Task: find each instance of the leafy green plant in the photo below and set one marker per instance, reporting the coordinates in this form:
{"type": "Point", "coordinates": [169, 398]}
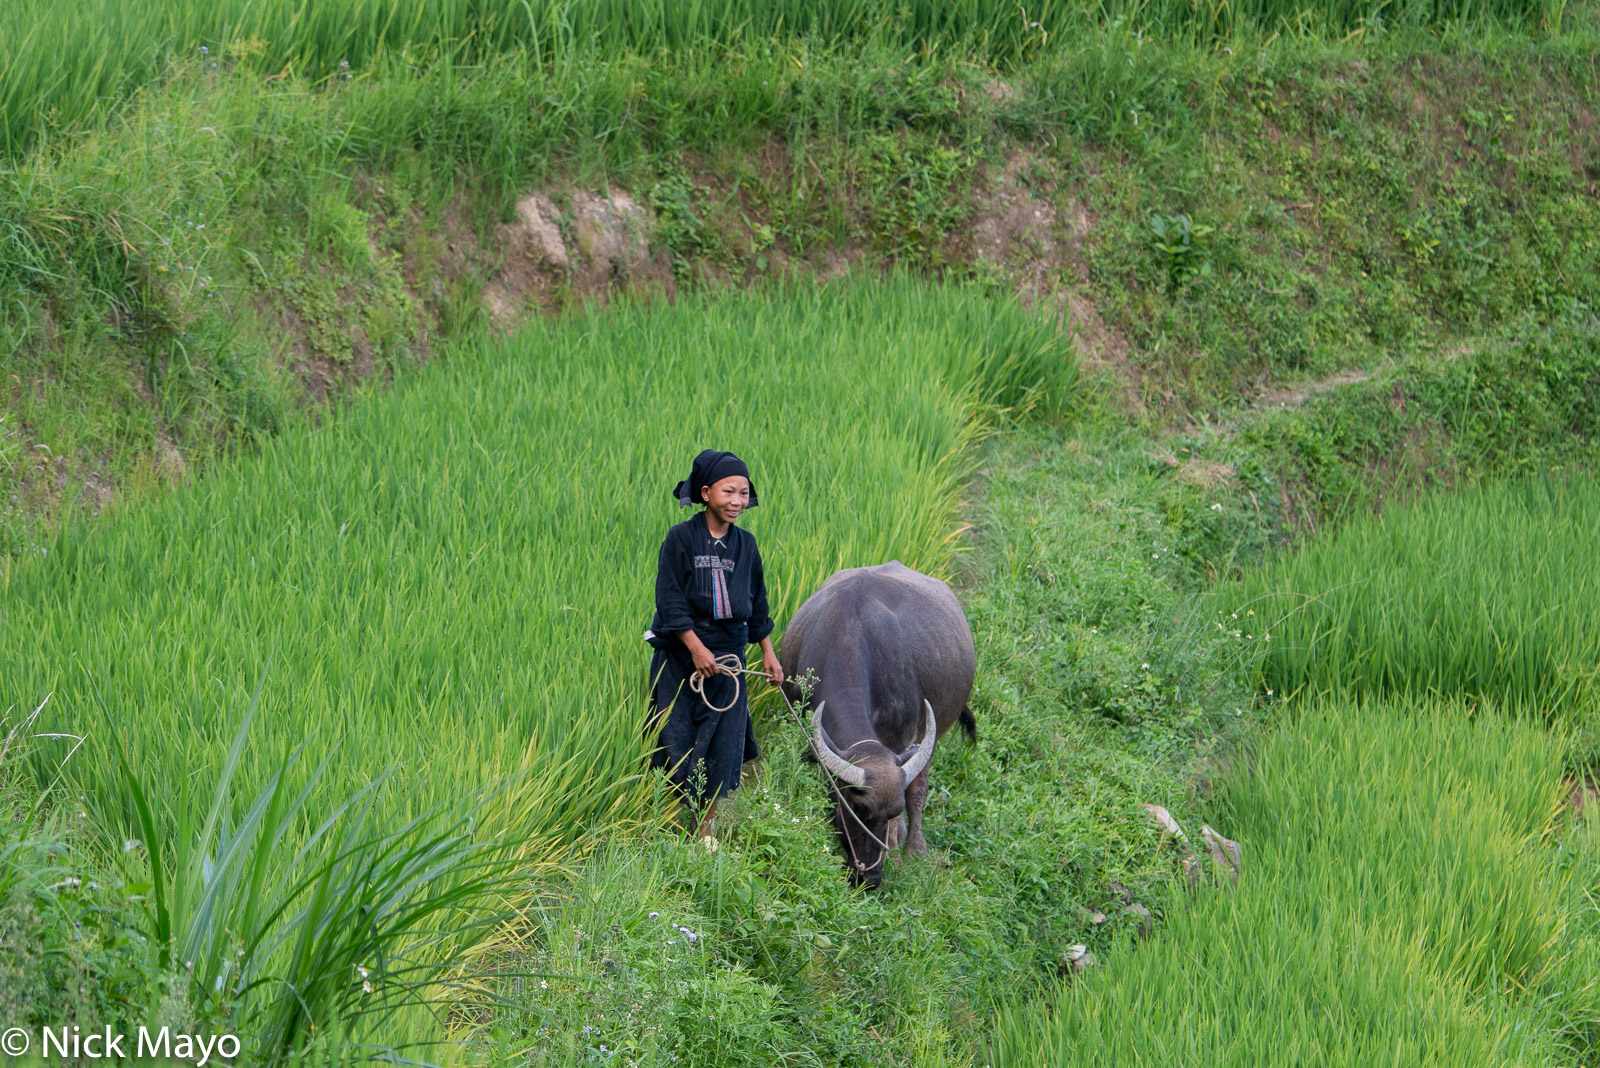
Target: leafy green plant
{"type": "Point", "coordinates": [1181, 247]}
{"type": "Point", "coordinates": [279, 934]}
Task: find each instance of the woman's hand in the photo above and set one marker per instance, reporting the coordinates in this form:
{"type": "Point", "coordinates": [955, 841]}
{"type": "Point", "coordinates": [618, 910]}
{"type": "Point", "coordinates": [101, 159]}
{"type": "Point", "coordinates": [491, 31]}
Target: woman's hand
{"type": "Point", "coordinates": [769, 663]}
{"type": "Point", "coordinates": [705, 662]}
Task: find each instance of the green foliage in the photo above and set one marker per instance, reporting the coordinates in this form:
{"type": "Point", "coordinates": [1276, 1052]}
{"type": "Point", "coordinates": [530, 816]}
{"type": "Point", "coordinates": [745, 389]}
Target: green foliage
{"type": "Point", "coordinates": [187, 271]}
{"type": "Point", "coordinates": [1398, 902]}
{"type": "Point", "coordinates": [456, 597]}
{"type": "Point", "coordinates": [278, 933]}
{"type": "Point", "coordinates": [1516, 403]}
{"type": "Point", "coordinates": [1181, 245]}
{"type": "Point", "coordinates": [1476, 593]}
{"type": "Point", "coordinates": [914, 193]}
{"type": "Point", "coordinates": [66, 66]}
{"type": "Point", "coordinates": [1033, 831]}
{"type": "Point", "coordinates": [1340, 236]}
{"type": "Point", "coordinates": [1509, 405]}
{"type": "Point", "coordinates": [70, 949]}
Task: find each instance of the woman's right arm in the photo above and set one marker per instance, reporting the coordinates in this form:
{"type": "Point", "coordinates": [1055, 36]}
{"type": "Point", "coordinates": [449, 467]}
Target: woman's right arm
{"type": "Point", "coordinates": [705, 664]}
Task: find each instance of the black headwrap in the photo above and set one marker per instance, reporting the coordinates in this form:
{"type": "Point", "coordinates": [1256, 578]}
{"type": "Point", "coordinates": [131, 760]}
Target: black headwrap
{"type": "Point", "coordinates": [711, 467]}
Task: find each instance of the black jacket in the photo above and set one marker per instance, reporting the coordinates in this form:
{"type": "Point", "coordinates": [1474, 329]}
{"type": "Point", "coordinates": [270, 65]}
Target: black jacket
{"type": "Point", "coordinates": [715, 588]}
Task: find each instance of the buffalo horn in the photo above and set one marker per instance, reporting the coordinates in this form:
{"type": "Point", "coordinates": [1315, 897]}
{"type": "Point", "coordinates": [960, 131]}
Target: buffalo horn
{"type": "Point", "coordinates": [912, 763]}
{"type": "Point", "coordinates": [845, 771]}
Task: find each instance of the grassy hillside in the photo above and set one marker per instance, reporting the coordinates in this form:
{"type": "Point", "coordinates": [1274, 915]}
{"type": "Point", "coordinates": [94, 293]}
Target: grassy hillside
{"type": "Point", "coordinates": [67, 66]}
{"type": "Point", "coordinates": [233, 243]}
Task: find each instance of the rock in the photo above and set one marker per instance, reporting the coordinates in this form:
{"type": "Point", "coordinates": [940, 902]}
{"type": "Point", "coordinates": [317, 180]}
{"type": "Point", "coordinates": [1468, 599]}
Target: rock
{"type": "Point", "coordinates": [1164, 820]}
{"type": "Point", "coordinates": [1143, 915]}
{"type": "Point", "coordinates": [1077, 958]}
{"type": "Point", "coordinates": [1225, 853]}
{"type": "Point", "coordinates": [611, 233]}
{"type": "Point", "coordinates": [539, 236]}
{"type": "Point", "coordinates": [1000, 92]}
{"type": "Point", "coordinates": [169, 461]}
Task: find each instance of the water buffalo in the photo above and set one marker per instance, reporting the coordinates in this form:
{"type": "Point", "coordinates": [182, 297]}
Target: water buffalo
{"type": "Point", "coordinates": [893, 658]}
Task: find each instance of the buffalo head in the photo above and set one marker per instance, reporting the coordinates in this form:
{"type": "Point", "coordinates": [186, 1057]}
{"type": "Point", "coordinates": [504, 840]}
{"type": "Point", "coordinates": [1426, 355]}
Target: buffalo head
{"type": "Point", "coordinates": [872, 780]}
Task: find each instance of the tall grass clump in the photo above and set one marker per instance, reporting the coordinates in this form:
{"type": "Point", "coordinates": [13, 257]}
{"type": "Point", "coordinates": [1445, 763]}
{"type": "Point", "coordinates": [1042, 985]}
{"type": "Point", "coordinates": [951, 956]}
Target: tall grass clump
{"type": "Point", "coordinates": [1399, 903]}
{"type": "Point", "coordinates": [64, 64]}
{"type": "Point", "coordinates": [1487, 592]}
{"type": "Point", "coordinates": [454, 576]}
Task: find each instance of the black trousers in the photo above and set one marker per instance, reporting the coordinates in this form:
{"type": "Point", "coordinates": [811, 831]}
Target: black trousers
{"type": "Point", "coordinates": [702, 748]}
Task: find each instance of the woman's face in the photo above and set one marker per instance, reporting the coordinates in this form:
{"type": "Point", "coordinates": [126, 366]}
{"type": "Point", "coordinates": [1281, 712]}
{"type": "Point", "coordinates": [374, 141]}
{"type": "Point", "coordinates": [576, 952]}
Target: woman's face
{"type": "Point", "coordinates": [727, 498]}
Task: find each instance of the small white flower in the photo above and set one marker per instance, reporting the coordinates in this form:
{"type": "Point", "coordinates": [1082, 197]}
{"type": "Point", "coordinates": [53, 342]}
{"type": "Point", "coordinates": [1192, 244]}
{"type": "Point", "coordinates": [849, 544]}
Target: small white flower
{"type": "Point", "coordinates": [1145, 667]}
{"type": "Point", "coordinates": [544, 984]}
{"type": "Point", "coordinates": [1216, 507]}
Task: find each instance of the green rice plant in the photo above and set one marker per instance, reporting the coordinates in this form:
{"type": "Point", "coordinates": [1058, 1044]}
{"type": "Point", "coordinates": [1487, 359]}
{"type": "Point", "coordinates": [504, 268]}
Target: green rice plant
{"type": "Point", "coordinates": [456, 573]}
{"type": "Point", "coordinates": [1486, 593]}
{"type": "Point", "coordinates": [1398, 903]}
{"type": "Point", "coordinates": [67, 64]}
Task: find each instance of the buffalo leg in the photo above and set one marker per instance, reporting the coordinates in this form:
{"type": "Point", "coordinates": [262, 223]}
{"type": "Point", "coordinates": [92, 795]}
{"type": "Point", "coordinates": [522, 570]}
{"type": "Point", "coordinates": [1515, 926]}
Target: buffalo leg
{"type": "Point", "coordinates": [916, 798]}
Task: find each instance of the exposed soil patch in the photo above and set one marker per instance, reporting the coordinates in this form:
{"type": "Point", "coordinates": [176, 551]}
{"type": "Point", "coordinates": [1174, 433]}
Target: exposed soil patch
{"type": "Point", "coordinates": [1036, 237]}
{"type": "Point", "coordinates": [582, 245]}
{"type": "Point", "coordinates": [1294, 396]}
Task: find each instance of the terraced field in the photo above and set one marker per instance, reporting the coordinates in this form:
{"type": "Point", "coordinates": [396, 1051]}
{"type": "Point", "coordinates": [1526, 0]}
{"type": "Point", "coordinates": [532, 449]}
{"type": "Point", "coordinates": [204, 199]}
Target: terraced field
{"type": "Point", "coordinates": [332, 475]}
{"type": "Point", "coordinates": [1417, 888]}
{"type": "Point", "coordinates": [449, 581]}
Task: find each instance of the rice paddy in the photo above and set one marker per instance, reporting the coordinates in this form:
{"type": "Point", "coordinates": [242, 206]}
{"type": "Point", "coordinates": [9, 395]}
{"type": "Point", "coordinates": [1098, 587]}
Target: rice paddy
{"type": "Point", "coordinates": [448, 583]}
{"type": "Point", "coordinates": [1415, 887]}
{"type": "Point", "coordinates": [361, 695]}
{"type": "Point", "coordinates": [1484, 594]}
{"type": "Point", "coordinates": [1412, 893]}
{"type": "Point", "coordinates": [64, 65]}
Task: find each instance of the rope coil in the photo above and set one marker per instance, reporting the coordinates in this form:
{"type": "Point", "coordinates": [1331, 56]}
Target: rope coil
{"type": "Point", "coordinates": [727, 664]}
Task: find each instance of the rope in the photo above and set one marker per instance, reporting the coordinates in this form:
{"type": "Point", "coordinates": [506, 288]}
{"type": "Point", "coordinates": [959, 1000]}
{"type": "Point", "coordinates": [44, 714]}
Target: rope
{"type": "Point", "coordinates": [727, 664]}
{"type": "Point", "coordinates": [733, 664]}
